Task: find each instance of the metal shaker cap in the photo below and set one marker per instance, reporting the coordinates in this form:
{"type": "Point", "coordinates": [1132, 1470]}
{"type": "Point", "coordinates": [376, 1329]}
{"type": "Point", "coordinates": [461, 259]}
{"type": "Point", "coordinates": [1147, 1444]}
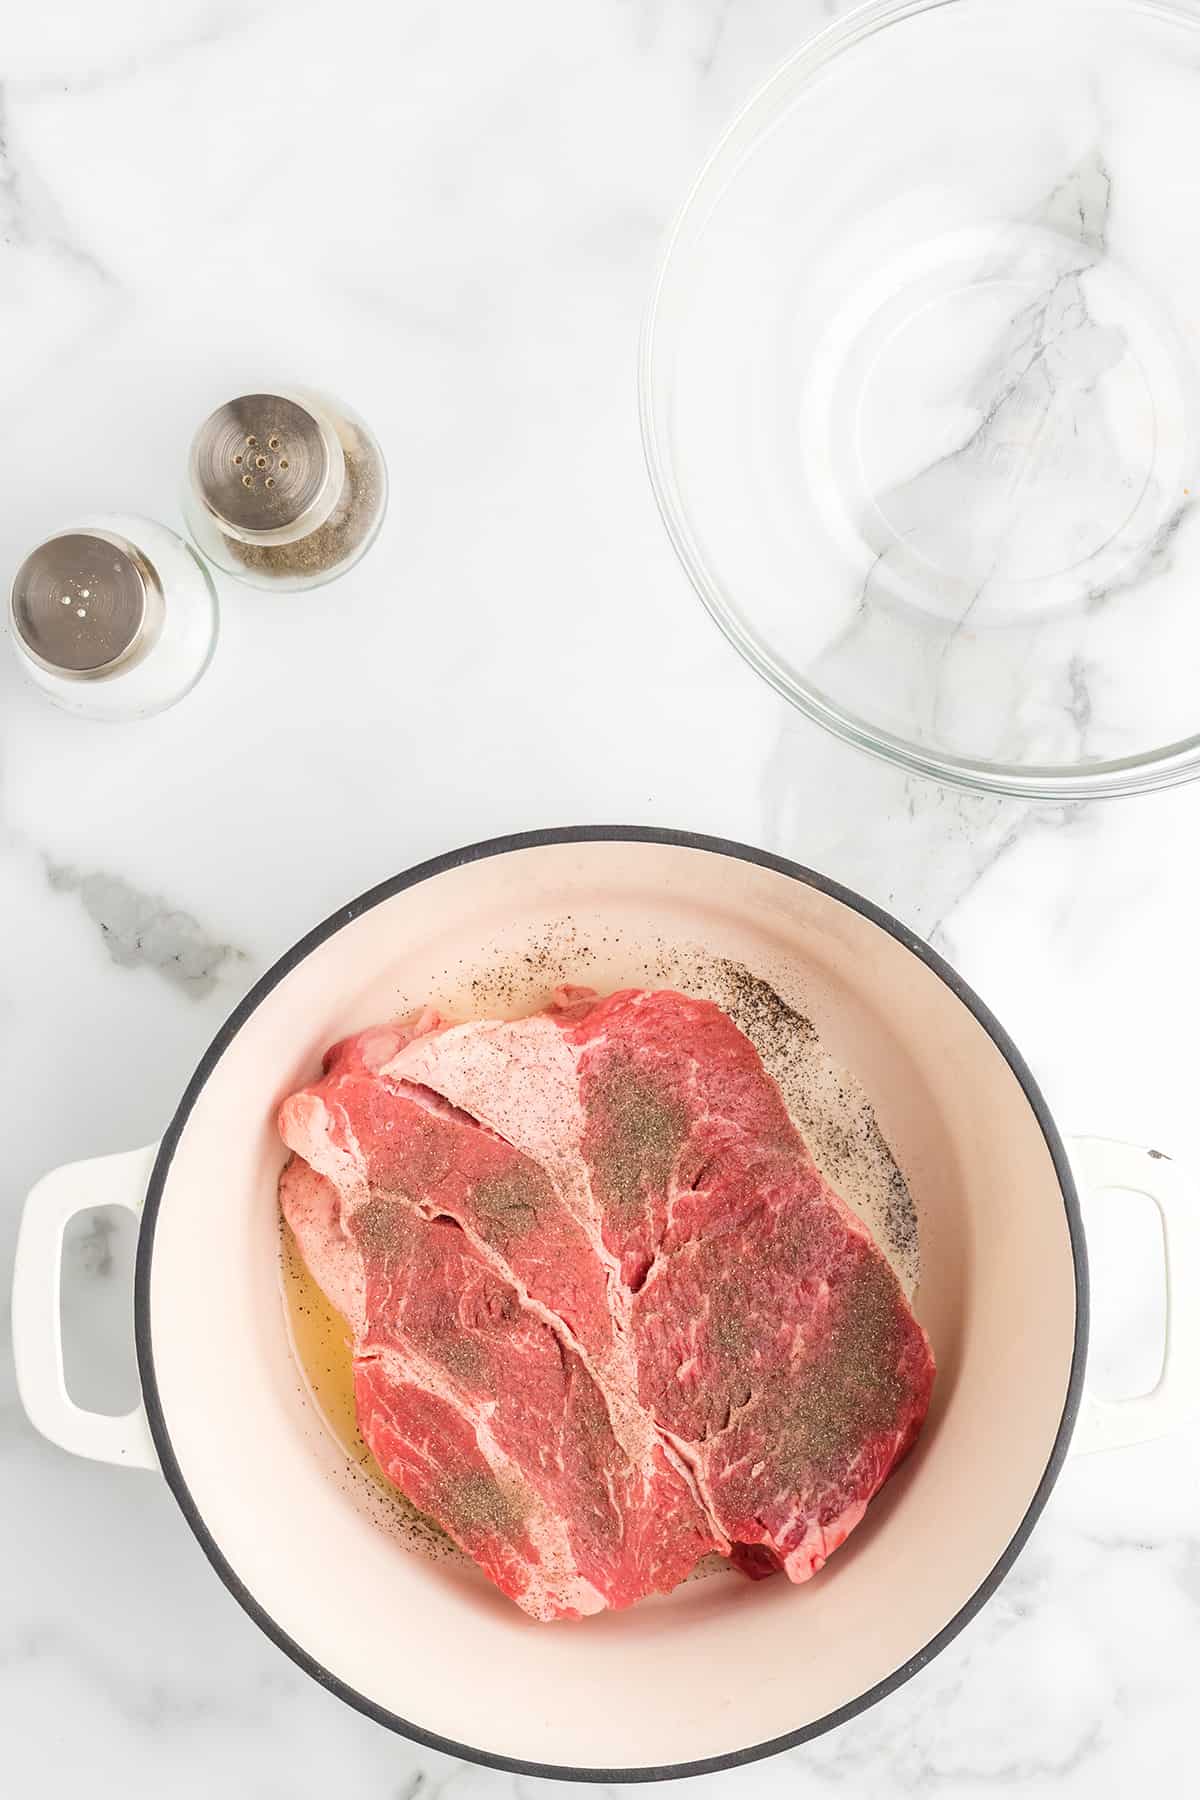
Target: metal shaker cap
{"type": "Point", "coordinates": [264, 464]}
{"type": "Point", "coordinates": [86, 603]}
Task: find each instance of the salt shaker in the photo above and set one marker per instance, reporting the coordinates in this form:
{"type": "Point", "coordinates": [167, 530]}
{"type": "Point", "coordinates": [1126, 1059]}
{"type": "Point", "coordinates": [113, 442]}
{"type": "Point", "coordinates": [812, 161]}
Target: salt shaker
{"type": "Point", "coordinates": [285, 490]}
{"type": "Point", "coordinates": [113, 618]}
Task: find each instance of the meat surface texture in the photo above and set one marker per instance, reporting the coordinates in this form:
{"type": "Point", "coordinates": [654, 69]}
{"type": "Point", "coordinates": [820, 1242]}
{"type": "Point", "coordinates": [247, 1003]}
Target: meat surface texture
{"type": "Point", "coordinates": [607, 1315]}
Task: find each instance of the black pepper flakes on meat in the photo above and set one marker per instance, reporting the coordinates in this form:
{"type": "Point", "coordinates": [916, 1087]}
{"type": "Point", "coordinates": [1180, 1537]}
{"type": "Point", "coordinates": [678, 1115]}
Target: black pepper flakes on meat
{"type": "Point", "coordinates": [507, 1204]}
{"type": "Point", "coordinates": [851, 1393]}
{"type": "Point", "coordinates": [477, 1501]}
{"type": "Point", "coordinates": [640, 1132]}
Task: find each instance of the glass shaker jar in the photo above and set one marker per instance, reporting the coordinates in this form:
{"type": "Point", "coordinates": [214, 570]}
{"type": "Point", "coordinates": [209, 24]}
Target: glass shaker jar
{"type": "Point", "coordinates": [285, 490]}
{"type": "Point", "coordinates": [114, 618]}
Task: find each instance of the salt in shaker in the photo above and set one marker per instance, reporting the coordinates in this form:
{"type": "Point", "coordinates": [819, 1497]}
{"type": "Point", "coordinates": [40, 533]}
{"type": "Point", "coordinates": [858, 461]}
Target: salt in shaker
{"type": "Point", "coordinates": [285, 490]}
{"type": "Point", "coordinates": [114, 618]}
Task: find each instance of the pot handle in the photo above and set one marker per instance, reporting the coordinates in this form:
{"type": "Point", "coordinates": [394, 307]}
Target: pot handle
{"type": "Point", "coordinates": [37, 1309]}
{"type": "Point", "coordinates": [1175, 1397]}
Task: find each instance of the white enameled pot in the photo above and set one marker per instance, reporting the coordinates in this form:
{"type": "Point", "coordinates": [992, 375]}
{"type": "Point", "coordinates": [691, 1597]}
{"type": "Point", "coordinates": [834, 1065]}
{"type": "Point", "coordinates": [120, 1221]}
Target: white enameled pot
{"type": "Point", "coordinates": [722, 1671]}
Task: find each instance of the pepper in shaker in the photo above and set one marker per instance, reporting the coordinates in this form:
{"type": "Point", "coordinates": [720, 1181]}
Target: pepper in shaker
{"type": "Point", "coordinates": [113, 618]}
{"type": "Point", "coordinates": [285, 490]}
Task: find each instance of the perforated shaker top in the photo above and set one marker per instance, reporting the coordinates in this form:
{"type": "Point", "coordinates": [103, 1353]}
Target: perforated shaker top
{"type": "Point", "coordinates": [260, 462]}
{"type": "Point", "coordinates": [83, 603]}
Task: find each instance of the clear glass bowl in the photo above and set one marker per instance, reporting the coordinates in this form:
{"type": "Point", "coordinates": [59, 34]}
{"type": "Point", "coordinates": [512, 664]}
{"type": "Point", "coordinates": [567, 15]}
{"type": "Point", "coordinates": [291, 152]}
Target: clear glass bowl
{"type": "Point", "coordinates": [920, 388]}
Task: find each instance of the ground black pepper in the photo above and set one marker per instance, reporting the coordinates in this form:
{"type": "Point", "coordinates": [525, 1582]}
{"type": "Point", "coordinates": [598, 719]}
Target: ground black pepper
{"type": "Point", "coordinates": [476, 1501]}
{"type": "Point", "coordinates": [644, 1131]}
{"type": "Point", "coordinates": [353, 520]}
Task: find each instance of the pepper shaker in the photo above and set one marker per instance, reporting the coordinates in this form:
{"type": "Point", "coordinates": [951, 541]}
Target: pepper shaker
{"type": "Point", "coordinates": [285, 490]}
{"type": "Point", "coordinates": [113, 618]}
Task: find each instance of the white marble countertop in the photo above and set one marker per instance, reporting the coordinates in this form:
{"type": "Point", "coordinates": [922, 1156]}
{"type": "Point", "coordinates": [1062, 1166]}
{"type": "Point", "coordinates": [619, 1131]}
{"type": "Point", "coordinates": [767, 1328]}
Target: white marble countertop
{"type": "Point", "coordinates": [450, 214]}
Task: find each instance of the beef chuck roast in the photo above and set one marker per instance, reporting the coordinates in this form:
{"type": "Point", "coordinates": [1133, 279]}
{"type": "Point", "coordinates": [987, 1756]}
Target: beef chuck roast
{"type": "Point", "coordinates": [680, 1338]}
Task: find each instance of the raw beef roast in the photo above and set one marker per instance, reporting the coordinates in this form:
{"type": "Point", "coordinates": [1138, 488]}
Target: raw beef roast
{"type": "Point", "coordinates": [607, 1314]}
{"type": "Point", "coordinates": [428, 1232]}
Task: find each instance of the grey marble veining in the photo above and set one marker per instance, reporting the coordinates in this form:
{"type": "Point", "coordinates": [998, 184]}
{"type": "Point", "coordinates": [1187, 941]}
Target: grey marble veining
{"type": "Point", "coordinates": [469, 264]}
{"type": "Point", "coordinates": [31, 215]}
{"type": "Point", "coordinates": [142, 930]}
